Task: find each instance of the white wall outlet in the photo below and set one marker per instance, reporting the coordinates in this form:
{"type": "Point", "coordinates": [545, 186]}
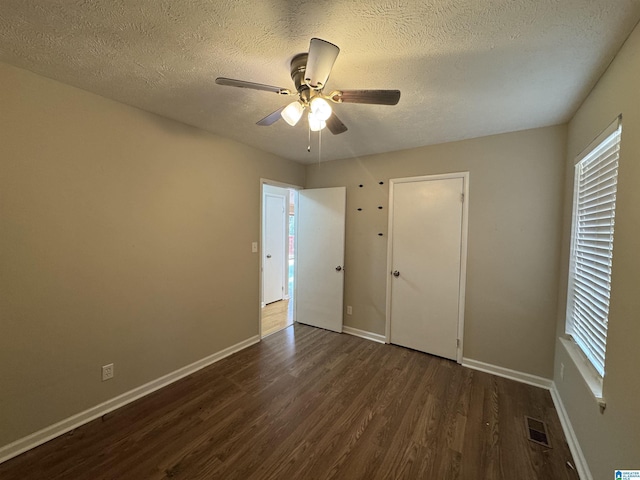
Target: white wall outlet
{"type": "Point", "coordinates": [254, 247]}
{"type": "Point", "coordinates": [562, 371]}
{"type": "Point", "coordinates": [107, 372]}
{"type": "Point", "coordinates": [349, 310]}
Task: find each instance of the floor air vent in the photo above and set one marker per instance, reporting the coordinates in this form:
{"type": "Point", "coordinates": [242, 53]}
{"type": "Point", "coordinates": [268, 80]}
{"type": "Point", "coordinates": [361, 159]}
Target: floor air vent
{"type": "Point", "coordinates": [537, 431]}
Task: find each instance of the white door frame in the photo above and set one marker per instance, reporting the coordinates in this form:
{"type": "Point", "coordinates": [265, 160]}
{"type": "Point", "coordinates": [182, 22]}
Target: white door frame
{"type": "Point", "coordinates": [273, 183]}
{"type": "Point", "coordinates": [463, 250]}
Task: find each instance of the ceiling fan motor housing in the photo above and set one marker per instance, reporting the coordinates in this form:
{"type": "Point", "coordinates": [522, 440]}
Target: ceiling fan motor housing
{"type": "Point", "coordinates": [298, 67]}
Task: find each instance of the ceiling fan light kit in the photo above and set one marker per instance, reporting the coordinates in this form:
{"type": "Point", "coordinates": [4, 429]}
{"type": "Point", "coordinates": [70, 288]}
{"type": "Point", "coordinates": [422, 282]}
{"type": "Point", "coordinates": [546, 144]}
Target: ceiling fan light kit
{"type": "Point", "coordinates": [320, 108]}
{"type": "Point", "coordinates": [292, 113]}
{"type": "Point", "coordinates": [315, 124]}
{"type": "Point", "coordinates": [310, 72]}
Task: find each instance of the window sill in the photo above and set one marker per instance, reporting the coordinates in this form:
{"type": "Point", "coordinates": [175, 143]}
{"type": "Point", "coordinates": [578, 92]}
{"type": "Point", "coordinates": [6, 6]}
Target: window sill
{"type": "Point", "coordinates": [591, 378]}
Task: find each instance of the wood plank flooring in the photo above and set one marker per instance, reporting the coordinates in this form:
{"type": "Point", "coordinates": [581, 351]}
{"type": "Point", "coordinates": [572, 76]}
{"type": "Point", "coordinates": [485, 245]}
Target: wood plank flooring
{"type": "Point", "coordinates": [276, 316]}
{"type": "Point", "coordinates": [305, 404]}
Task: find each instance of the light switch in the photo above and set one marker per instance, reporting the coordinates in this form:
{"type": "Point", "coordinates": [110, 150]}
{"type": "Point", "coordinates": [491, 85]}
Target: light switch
{"type": "Point", "coordinates": [254, 247]}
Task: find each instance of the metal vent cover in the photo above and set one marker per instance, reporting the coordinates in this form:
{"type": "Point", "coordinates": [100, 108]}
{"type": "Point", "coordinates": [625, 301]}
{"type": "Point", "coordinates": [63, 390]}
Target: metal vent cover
{"type": "Point", "coordinates": [537, 431]}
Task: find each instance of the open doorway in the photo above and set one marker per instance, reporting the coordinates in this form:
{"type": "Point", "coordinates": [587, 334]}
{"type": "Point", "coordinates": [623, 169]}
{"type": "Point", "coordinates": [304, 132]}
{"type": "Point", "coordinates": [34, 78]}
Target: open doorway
{"type": "Point", "coordinates": [278, 244]}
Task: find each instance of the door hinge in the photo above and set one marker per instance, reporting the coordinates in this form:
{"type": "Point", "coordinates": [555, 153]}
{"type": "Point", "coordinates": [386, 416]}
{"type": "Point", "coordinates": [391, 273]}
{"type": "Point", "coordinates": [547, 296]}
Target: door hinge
{"type": "Point", "coordinates": [457, 342]}
{"type": "Point", "coordinates": [462, 197]}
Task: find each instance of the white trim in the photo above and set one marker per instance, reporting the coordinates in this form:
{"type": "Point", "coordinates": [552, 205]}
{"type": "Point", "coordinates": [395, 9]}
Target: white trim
{"type": "Point", "coordinates": [275, 183]}
{"type": "Point", "coordinates": [463, 251]}
{"type": "Point", "coordinates": [592, 379]}
{"type": "Point", "coordinates": [374, 337]}
{"type": "Point", "coordinates": [463, 264]}
{"type": "Point", "coordinates": [613, 126]}
{"type": "Point", "coordinates": [387, 324]}
{"type": "Point", "coordinates": [48, 433]}
{"type": "Point", "coordinates": [521, 377]}
{"type": "Point", "coordinates": [578, 457]}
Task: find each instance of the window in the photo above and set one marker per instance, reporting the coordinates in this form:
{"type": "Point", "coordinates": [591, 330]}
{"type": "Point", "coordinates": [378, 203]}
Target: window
{"type": "Point", "coordinates": [594, 208]}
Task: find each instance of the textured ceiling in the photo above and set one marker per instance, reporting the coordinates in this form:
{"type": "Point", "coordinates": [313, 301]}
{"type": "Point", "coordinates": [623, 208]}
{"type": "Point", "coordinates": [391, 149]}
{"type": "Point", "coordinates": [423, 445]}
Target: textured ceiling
{"type": "Point", "coordinates": [466, 68]}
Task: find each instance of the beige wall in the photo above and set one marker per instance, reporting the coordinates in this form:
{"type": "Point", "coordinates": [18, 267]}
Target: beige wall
{"type": "Point", "coordinates": [516, 183]}
{"type": "Point", "coordinates": [125, 238]}
{"type": "Point", "coordinates": [610, 440]}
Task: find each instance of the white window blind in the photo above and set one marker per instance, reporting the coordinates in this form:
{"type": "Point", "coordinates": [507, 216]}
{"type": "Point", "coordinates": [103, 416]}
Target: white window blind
{"type": "Point", "coordinates": [594, 208]}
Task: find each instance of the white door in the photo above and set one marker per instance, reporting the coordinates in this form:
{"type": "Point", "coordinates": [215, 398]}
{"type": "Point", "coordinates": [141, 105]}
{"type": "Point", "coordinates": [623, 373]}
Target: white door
{"type": "Point", "coordinates": [273, 277]}
{"type": "Point", "coordinates": [320, 257]}
{"type": "Point", "coordinates": [426, 260]}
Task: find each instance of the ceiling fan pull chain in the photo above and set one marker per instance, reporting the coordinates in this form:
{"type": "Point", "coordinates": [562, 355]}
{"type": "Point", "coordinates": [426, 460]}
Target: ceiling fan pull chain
{"type": "Point", "coordinates": [319, 145]}
{"type": "Point", "coordinates": [309, 142]}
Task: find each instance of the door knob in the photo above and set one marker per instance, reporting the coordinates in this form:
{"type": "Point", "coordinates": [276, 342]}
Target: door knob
{"type": "Point", "coordinates": [268, 255]}
{"type": "Point", "coordinates": [396, 273]}
{"type": "Point", "coordinates": [338, 268]}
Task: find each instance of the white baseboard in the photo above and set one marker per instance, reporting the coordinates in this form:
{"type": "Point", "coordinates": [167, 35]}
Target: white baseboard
{"type": "Point", "coordinates": [508, 373]}
{"type": "Point", "coordinates": [581, 463]}
{"type": "Point", "coordinates": [38, 438]}
{"type": "Point", "coordinates": [375, 337]}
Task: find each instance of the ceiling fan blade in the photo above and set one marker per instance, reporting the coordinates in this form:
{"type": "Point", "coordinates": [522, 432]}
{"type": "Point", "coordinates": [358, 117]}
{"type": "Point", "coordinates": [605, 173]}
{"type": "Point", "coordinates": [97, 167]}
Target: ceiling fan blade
{"type": "Point", "coordinates": [254, 86]}
{"type": "Point", "coordinates": [322, 56]}
{"type": "Point", "coordinates": [335, 125]}
{"type": "Point", "coordinates": [373, 97]}
{"type": "Point", "coordinates": [271, 118]}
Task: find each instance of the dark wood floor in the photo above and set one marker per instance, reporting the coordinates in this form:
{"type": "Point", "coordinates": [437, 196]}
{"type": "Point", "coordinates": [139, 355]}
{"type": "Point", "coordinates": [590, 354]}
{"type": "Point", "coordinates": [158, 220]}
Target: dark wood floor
{"type": "Point", "coordinates": [310, 404]}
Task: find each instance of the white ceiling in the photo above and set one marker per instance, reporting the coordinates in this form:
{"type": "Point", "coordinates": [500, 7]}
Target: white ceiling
{"type": "Point", "coordinates": [466, 68]}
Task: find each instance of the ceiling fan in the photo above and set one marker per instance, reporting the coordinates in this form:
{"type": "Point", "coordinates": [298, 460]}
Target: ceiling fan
{"type": "Point", "coordinates": [309, 72]}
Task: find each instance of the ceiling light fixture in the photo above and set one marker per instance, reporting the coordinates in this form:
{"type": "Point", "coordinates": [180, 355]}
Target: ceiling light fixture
{"type": "Point", "coordinates": [320, 108]}
{"type": "Point", "coordinates": [292, 113]}
{"type": "Point", "coordinates": [315, 124]}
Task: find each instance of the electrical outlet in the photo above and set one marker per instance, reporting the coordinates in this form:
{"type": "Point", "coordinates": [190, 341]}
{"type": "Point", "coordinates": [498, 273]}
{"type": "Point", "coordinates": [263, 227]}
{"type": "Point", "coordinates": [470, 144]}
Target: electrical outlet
{"type": "Point", "coordinates": [349, 310]}
{"type": "Point", "coordinates": [107, 372]}
{"type": "Point", "coordinates": [562, 371]}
